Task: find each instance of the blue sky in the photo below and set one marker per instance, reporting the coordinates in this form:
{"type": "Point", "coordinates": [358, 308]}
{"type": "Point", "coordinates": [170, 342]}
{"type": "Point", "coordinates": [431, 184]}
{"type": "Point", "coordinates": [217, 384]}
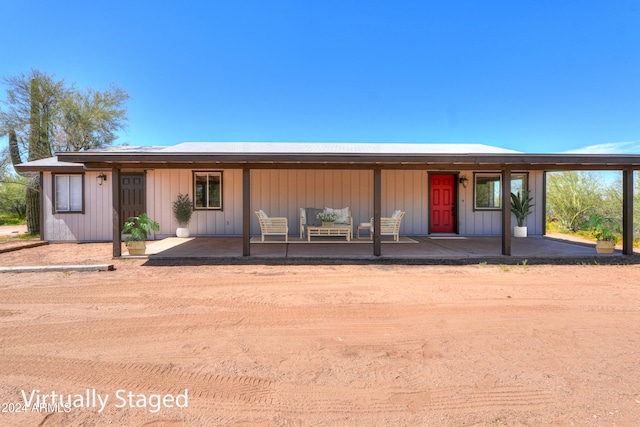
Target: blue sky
{"type": "Point", "coordinates": [535, 76]}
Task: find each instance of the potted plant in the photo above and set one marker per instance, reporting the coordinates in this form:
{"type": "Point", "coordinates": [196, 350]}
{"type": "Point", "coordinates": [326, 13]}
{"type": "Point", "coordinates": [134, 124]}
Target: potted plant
{"type": "Point", "coordinates": [182, 210]}
{"type": "Point", "coordinates": [138, 228]}
{"type": "Point", "coordinates": [521, 207]}
{"type": "Point", "coordinates": [606, 231]}
{"type": "Point", "coordinates": [327, 218]}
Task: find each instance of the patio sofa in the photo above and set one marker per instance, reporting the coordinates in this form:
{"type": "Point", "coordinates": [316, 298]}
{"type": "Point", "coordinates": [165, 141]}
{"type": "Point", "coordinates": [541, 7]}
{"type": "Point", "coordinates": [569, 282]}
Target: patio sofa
{"type": "Point", "coordinates": [308, 218]}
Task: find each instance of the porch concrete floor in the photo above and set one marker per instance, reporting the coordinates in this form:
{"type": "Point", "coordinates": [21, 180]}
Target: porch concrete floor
{"type": "Point", "coordinates": [432, 249]}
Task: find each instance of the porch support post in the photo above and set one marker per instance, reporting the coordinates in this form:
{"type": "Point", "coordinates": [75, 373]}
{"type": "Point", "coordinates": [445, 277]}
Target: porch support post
{"type": "Point", "coordinates": [246, 211]}
{"type": "Point", "coordinates": [506, 211]}
{"type": "Point", "coordinates": [377, 211]}
{"type": "Point", "coordinates": [41, 187]}
{"type": "Point", "coordinates": [544, 203]}
{"type": "Point", "coordinates": [115, 212]}
{"type": "Point", "coordinates": [627, 211]}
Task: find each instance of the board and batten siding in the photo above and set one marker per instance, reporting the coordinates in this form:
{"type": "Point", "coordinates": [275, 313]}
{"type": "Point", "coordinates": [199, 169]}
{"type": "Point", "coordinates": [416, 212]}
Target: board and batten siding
{"type": "Point", "coordinates": [95, 225]}
{"type": "Point", "coordinates": [283, 192]}
{"type": "Point", "coordinates": [163, 186]}
{"type": "Point", "coordinates": [489, 223]}
{"type": "Point", "coordinates": [279, 192]}
{"type": "Point", "coordinates": [407, 191]}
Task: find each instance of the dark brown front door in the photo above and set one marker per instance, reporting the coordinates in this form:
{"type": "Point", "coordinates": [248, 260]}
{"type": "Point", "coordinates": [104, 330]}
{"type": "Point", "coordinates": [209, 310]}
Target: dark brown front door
{"type": "Point", "coordinates": [442, 218]}
{"type": "Point", "coordinates": [132, 196]}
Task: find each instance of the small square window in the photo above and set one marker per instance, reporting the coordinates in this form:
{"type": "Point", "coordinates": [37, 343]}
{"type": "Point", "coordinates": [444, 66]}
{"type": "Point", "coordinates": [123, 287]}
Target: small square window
{"type": "Point", "coordinates": [488, 189]}
{"type": "Point", "coordinates": [68, 193]}
{"type": "Point", "coordinates": [207, 190]}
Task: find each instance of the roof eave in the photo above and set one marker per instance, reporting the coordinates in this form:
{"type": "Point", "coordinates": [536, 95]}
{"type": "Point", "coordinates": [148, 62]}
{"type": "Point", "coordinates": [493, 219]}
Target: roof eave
{"type": "Point", "coordinates": [506, 159]}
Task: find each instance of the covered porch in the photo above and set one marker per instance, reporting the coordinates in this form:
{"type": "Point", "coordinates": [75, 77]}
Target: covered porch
{"type": "Point", "coordinates": [414, 249]}
{"type": "Point", "coordinates": [376, 161]}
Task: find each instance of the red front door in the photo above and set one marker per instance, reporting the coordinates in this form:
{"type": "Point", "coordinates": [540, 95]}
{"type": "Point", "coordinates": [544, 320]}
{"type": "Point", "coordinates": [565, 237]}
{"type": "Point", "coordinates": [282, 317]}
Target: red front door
{"type": "Point", "coordinates": [442, 196]}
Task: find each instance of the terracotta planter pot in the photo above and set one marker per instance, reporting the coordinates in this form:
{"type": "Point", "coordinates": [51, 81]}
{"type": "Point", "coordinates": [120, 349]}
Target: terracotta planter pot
{"type": "Point", "coordinates": [137, 247]}
{"type": "Point", "coordinates": [605, 246]}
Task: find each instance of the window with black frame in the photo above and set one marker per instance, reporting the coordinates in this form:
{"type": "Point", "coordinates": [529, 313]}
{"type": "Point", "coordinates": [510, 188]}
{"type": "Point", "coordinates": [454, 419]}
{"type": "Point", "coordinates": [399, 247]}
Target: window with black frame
{"type": "Point", "coordinates": [207, 191]}
{"type": "Point", "coordinates": [488, 189]}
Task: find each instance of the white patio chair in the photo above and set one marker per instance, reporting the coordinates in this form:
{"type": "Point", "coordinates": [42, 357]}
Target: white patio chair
{"type": "Point", "coordinates": [390, 226]}
{"type": "Point", "coordinates": [273, 225]}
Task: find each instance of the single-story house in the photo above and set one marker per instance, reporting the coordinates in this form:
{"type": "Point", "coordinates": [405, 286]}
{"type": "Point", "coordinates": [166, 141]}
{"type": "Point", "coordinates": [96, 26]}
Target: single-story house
{"type": "Point", "coordinates": [460, 189]}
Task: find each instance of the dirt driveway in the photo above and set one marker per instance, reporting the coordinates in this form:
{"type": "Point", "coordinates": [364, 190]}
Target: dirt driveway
{"type": "Point", "coordinates": [256, 345]}
{"type": "Point", "coordinates": [8, 230]}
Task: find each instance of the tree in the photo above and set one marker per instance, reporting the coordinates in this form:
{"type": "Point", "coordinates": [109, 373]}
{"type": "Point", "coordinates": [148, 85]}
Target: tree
{"type": "Point", "coordinates": [611, 206]}
{"type": "Point", "coordinates": [12, 201]}
{"type": "Point", "coordinates": [32, 104]}
{"type": "Point", "coordinates": [12, 197]}
{"type": "Point", "coordinates": [90, 119]}
{"type": "Point", "coordinates": [43, 115]}
{"type": "Point", "coordinates": [572, 196]}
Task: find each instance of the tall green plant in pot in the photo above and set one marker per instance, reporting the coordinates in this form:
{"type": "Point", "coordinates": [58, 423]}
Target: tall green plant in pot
{"type": "Point", "coordinates": [182, 210]}
{"type": "Point", "coordinates": [521, 207]}
{"type": "Point", "coordinates": [138, 228]}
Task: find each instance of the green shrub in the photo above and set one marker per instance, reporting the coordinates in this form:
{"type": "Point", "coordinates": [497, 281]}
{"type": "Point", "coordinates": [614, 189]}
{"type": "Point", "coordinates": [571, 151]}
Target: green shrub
{"type": "Point", "coordinates": [139, 227]}
{"type": "Point", "coordinates": [182, 209]}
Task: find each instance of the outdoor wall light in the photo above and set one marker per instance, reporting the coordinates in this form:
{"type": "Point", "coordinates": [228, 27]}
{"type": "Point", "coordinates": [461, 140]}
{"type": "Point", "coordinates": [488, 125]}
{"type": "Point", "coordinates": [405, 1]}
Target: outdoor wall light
{"type": "Point", "coordinates": [101, 178]}
{"type": "Point", "coordinates": [463, 180]}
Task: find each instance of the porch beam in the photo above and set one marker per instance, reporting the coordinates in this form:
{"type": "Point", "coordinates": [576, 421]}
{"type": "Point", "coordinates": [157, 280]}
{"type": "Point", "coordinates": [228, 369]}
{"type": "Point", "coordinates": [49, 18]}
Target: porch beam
{"type": "Point", "coordinates": [377, 211]}
{"type": "Point", "coordinates": [627, 211]}
{"type": "Point", "coordinates": [246, 211]}
{"type": "Point", "coordinates": [506, 211]}
{"type": "Point", "coordinates": [432, 166]}
{"type": "Point", "coordinates": [511, 160]}
{"type": "Point", "coordinates": [115, 212]}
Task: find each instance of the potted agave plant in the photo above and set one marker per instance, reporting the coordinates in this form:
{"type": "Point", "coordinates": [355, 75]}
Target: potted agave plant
{"type": "Point", "coordinates": [521, 207]}
{"type": "Point", "coordinates": [606, 231]}
{"type": "Point", "coordinates": [138, 227]}
{"type": "Point", "coordinates": [182, 210]}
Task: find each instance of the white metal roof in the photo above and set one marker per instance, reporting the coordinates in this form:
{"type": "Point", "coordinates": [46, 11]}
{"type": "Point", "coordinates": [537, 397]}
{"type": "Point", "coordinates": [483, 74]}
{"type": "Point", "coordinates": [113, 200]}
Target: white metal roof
{"type": "Point", "coordinates": [51, 162]}
{"type": "Point", "coordinates": [332, 148]}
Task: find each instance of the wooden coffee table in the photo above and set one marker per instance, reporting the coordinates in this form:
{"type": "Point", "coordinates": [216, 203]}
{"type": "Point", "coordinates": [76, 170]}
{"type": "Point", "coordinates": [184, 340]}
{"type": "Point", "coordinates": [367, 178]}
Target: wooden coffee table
{"type": "Point", "coordinates": [334, 230]}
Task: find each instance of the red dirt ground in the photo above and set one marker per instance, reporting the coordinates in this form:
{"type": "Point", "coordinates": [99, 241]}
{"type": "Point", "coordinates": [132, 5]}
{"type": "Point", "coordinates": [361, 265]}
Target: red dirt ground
{"type": "Point", "coordinates": [320, 345]}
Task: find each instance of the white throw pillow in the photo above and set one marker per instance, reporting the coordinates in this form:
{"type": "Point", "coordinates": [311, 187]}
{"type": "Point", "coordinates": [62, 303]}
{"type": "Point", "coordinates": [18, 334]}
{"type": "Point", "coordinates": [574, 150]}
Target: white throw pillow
{"type": "Point", "coordinates": [342, 215]}
{"type": "Point", "coordinates": [264, 215]}
{"type": "Point", "coordinates": [396, 214]}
